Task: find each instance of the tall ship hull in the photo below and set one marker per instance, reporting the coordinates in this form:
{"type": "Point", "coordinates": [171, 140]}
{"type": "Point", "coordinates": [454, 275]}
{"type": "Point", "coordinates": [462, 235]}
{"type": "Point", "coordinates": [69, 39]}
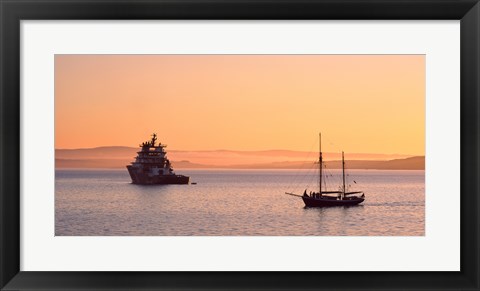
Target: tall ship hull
{"type": "Point", "coordinates": [139, 177]}
{"type": "Point", "coordinates": [326, 202]}
{"type": "Point", "coordinates": [151, 166]}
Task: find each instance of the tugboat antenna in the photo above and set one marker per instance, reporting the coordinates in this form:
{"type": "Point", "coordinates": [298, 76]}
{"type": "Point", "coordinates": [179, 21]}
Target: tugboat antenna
{"type": "Point", "coordinates": [154, 139]}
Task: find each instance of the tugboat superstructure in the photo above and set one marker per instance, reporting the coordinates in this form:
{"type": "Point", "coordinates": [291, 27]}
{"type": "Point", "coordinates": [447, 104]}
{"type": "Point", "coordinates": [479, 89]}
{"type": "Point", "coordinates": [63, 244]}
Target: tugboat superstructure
{"type": "Point", "coordinates": [151, 166]}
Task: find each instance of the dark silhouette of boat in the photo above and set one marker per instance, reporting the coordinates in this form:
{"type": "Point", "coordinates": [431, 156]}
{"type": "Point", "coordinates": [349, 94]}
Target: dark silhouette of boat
{"type": "Point", "coordinates": [330, 198]}
{"type": "Point", "coordinates": [151, 166]}
{"type": "Point", "coordinates": [326, 200]}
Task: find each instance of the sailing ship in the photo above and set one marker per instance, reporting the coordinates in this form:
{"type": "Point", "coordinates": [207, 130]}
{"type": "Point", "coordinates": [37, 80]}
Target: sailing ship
{"type": "Point", "coordinates": [151, 166]}
{"type": "Point", "coordinates": [330, 198]}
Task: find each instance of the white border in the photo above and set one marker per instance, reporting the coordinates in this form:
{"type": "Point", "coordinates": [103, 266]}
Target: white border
{"type": "Point", "coordinates": [439, 250]}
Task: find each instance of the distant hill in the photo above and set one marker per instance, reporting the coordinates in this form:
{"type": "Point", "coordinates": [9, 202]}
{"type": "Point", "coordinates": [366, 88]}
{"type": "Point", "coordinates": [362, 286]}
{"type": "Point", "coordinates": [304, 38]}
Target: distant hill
{"type": "Point", "coordinates": [113, 163]}
{"type": "Point", "coordinates": [218, 158]}
{"type": "Point", "coordinates": [412, 163]}
{"type": "Point", "coordinates": [114, 152]}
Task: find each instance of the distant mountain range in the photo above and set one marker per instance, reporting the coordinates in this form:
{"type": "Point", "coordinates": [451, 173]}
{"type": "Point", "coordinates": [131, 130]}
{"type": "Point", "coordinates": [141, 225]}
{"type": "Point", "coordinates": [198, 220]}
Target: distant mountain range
{"type": "Point", "coordinates": [119, 157]}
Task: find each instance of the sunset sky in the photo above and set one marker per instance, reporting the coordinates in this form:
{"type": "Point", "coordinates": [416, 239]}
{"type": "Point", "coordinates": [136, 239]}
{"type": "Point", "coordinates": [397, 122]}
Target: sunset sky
{"type": "Point", "coordinates": [360, 103]}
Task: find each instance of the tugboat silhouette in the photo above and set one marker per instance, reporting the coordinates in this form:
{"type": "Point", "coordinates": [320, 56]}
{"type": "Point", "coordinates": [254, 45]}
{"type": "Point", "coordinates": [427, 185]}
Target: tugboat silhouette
{"type": "Point", "coordinates": [151, 166]}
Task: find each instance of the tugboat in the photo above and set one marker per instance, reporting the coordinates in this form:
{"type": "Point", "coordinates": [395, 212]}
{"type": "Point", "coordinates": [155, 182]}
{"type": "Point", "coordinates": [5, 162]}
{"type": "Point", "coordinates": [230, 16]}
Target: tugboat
{"type": "Point", "coordinates": [151, 166]}
{"type": "Point", "coordinates": [330, 198]}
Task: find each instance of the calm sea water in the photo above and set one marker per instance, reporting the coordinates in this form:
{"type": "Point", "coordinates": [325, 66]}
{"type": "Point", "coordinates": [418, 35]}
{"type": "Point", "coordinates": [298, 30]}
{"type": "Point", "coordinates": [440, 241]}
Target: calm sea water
{"type": "Point", "coordinates": [236, 203]}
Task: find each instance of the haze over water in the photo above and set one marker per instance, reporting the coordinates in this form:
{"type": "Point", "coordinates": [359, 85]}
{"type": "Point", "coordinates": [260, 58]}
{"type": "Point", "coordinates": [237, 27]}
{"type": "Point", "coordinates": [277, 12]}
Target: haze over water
{"type": "Point", "coordinates": [236, 203]}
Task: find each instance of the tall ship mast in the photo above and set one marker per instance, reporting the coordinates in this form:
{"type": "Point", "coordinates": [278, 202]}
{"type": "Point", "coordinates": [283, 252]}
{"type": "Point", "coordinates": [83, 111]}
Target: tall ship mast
{"type": "Point", "coordinates": [151, 166]}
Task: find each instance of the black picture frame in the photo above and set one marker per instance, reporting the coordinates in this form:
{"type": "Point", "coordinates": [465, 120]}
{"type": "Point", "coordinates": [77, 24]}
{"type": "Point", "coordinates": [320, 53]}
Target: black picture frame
{"type": "Point", "coordinates": [13, 11]}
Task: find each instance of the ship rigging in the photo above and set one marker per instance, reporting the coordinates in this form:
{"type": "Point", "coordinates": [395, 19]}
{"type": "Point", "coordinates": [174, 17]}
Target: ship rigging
{"type": "Point", "coordinates": [330, 198]}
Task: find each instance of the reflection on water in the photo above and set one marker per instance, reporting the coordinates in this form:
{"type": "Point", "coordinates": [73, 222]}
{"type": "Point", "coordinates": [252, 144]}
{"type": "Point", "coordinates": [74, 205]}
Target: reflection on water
{"type": "Point", "coordinates": [235, 203]}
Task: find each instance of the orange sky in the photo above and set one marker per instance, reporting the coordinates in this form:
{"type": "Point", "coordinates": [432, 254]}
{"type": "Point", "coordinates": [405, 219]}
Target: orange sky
{"type": "Point", "coordinates": [361, 104]}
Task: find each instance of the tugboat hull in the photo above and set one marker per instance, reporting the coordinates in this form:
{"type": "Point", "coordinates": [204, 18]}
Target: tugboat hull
{"type": "Point", "coordinates": [144, 179]}
{"type": "Point", "coordinates": [325, 202]}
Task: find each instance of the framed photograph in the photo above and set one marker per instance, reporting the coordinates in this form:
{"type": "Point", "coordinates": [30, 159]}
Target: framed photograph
{"type": "Point", "coordinates": [239, 145]}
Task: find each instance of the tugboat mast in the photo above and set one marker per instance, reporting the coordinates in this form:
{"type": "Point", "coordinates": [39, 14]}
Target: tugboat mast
{"type": "Point", "coordinates": [154, 139]}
